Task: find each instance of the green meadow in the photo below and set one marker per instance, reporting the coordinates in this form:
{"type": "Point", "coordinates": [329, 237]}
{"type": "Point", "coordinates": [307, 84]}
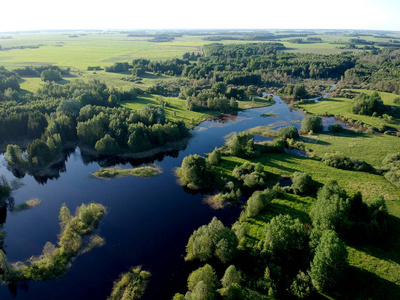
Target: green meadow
{"type": "Point", "coordinates": [175, 108]}
{"type": "Point", "coordinates": [371, 148]}
{"type": "Point", "coordinates": [343, 107]}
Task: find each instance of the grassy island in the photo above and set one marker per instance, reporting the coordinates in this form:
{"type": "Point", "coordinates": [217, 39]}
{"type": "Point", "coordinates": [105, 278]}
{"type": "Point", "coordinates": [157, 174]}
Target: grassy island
{"type": "Point", "coordinates": [107, 173]}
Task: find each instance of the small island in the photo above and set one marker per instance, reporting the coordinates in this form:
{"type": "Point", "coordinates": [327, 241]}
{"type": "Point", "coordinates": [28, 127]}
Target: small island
{"type": "Point", "coordinates": [116, 172]}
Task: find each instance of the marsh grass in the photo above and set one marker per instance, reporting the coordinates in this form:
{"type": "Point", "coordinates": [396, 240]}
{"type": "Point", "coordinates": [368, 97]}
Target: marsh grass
{"type": "Point", "coordinates": [55, 260]}
{"type": "Point", "coordinates": [117, 172]}
{"type": "Point", "coordinates": [28, 204]}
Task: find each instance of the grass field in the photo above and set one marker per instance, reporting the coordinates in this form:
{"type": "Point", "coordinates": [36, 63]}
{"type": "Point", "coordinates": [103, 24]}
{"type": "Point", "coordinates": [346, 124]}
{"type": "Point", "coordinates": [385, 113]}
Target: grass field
{"type": "Point", "coordinates": [176, 108]}
{"type": "Point", "coordinates": [371, 148]}
{"type": "Point", "coordinates": [343, 107]}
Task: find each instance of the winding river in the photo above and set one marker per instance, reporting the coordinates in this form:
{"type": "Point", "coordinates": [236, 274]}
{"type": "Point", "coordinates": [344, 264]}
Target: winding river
{"type": "Point", "coordinates": [148, 223]}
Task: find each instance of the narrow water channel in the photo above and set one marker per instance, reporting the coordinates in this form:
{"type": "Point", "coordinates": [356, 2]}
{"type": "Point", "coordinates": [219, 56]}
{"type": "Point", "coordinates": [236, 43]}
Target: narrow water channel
{"type": "Point", "coordinates": [148, 223]}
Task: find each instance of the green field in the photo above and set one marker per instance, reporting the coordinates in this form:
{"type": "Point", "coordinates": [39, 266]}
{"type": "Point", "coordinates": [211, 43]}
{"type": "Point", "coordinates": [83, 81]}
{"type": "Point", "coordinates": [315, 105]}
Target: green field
{"type": "Point", "coordinates": [343, 107]}
{"type": "Point", "coordinates": [101, 48]}
{"type": "Point", "coordinates": [176, 108]}
{"type": "Point", "coordinates": [371, 148]}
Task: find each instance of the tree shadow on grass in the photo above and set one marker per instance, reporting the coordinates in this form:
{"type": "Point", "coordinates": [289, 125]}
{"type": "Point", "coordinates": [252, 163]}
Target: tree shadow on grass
{"type": "Point", "coordinates": [386, 249]}
{"type": "Point", "coordinates": [310, 140]}
{"type": "Point", "coordinates": [330, 100]}
{"type": "Point", "coordinates": [361, 284]}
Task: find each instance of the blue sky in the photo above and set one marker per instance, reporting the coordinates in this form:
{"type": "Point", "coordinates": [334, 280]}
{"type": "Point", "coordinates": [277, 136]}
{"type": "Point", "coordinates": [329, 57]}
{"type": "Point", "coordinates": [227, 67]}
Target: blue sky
{"type": "Point", "coordinates": [150, 14]}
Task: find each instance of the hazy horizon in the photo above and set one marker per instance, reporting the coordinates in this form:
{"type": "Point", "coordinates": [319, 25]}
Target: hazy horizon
{"type": "Point", "coordinates": [44, 15]}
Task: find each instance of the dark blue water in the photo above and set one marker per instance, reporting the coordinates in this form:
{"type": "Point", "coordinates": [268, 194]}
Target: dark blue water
{"type": "Point", "coordinates": [148, 223]}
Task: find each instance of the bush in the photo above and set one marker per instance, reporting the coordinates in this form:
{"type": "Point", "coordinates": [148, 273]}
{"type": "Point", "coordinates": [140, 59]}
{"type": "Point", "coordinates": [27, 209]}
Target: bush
{"type": "Point", "coordinates": [130, 285]}
{"type": "Point", "coordinates": [302, 183]}
{"type": "Point", "coordinates": [285, 238]}
{"type": "Point", "coordinates": [258, 202]}
{"type": "Point", "coordinates": [368, 105]}
{"type": "Point", "coordinates": [51, 75]}
{"type": "Point", "coordinates": [289, 132]}
{"type": "Point", "coordinates": [312, 123]}
{"type": "Point", "coordinates": [339, 161]}
{"type": "Point", "coordinates": [330, 261]}
{"type": "Point", "coordinates": [193, 172]}
{"type": "Point", "coordinates": [214, 157]}
{"type": "Point", "coordinates": [252, 175]}
{"type": "Point", "coordinates": [211, 240]}
{"type": "Point", "coordinates": [107, 145]}
{"type": "Point", "coordinates": [335, 128]}
{"type": "Point", "coordinates": [242, 145]}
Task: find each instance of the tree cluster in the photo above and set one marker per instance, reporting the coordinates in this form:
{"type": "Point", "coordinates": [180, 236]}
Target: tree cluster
{"type": "Point", "coordinates": [368, 105]}
{"type": "Point", "coordinates": [340, 161]}
{"type": "Point", "coordinates": [212, 240]}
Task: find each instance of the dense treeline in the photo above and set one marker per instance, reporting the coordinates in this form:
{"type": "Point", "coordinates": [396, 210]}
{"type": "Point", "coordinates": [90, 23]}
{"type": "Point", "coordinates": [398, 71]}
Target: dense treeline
{"type": "Point", "coordinates": [36, 71]}
{"type": "Point", "coordinates": [29, 116]}
{"type": "Point", "coordinates": [376, 70]}
{"type": "Point", "coordinates": [108, 131]}
{"type": "Point", "coordinates": [8, 80]}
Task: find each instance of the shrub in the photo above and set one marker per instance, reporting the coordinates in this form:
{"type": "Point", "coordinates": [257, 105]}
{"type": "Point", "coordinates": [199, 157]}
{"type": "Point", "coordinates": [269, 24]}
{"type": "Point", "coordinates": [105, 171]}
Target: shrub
{"type": "Point", "coordinates": [193, 172]}
{"type": "Point", "coordinates": [367, 105]}
{"type": "Point", "coordinates": [51, 75]}
{"type": "Point", "coordinates": [214, 157]}
{"type": "Point", "coordinates": [258, 202]}
{"type": "Point", "coordinates": [312, 123]}
{"type": "Point", "coordinates": [289, 132]}
{"type": "Point", "coordinates": [330, 261]}
{"type": "Point", "coordinates": [331, 210]}
{"type": "Point", "coordinates": [302, 183]}
{"type": "Point", "coordinates": [107, 145]}
{"type": "Point", "coordinates": [251, 175]}
{"type": "Point", "coordinates": [285, 238]}
{"type": "Point", "coordinates": [339, 161]}
{"type": "Point", "coordinates": [212, 239]}
{"type": "Point", "coordinates": [130, 285]}
{"type": "Point", "coordinates": [242, 145]}
{"type": "Point", "coordinates": [335, 128]}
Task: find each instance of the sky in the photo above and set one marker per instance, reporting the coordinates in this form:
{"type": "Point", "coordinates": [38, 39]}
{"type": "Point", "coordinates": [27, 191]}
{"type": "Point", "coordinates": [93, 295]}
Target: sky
{"type": "Point", "coordinates": [23, 15]}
